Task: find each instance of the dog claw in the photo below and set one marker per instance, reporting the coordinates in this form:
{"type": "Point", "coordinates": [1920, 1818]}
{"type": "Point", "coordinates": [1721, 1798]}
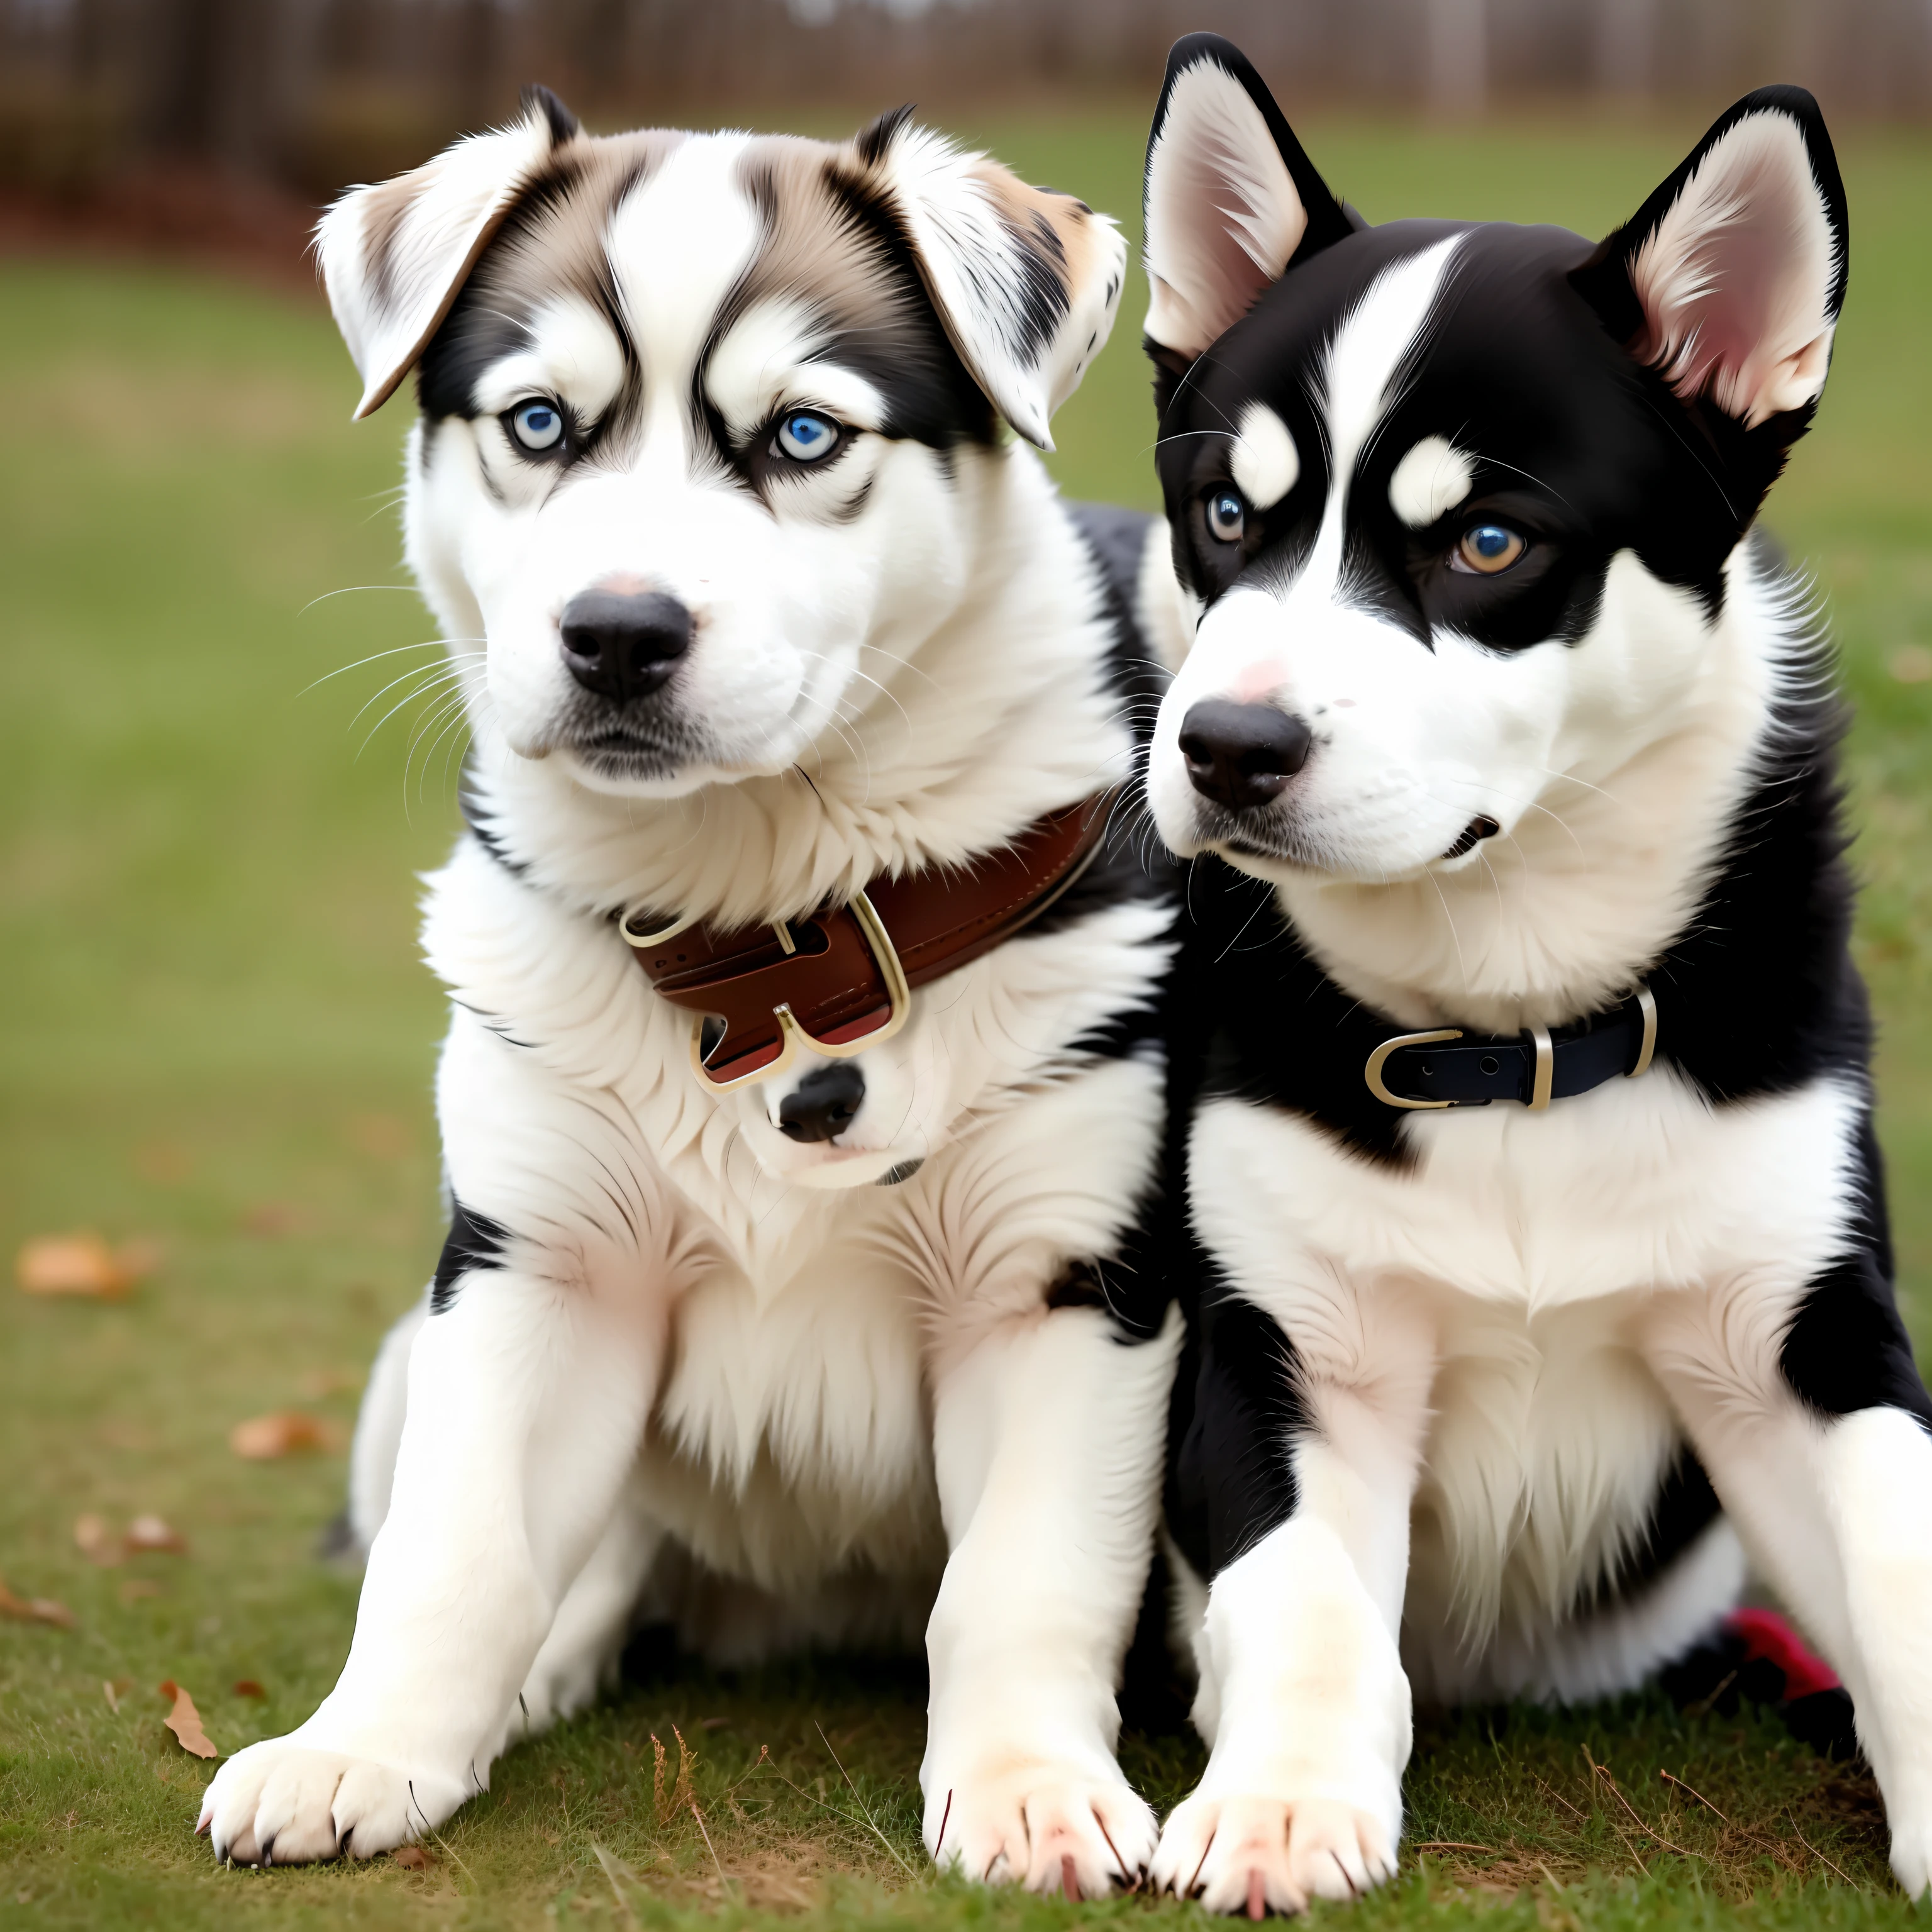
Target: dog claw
{"type": "Point", "coordinates": [1257, 1900]}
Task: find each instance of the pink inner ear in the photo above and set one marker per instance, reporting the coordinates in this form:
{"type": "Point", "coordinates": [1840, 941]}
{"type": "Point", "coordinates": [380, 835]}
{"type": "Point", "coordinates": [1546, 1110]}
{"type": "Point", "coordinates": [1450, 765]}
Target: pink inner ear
{"type": "Point", "coordinates": [1734, 283]}
{"type": "Point", "coordinates": [1223, 216]}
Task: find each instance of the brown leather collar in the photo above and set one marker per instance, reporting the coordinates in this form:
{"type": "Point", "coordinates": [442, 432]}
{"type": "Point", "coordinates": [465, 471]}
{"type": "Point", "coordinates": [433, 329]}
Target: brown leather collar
{"type": "Point", "coordinates": [841, 979]}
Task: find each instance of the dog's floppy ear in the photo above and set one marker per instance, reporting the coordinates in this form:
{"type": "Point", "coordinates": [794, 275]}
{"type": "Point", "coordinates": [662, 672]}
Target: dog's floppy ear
{"type": "Point", "coordinates": [1729, 279]}
{"type": "Point", "coordinates": [1231, 199]}
{"type": "Point", "coordinates": [395, 256]}
{"type": "Point", "coordinates": [1026, 281]}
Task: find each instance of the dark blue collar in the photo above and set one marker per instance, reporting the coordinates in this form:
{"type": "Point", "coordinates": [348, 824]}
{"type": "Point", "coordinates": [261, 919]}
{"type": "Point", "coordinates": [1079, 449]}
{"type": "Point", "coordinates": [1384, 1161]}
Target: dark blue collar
{"type": "Point", "coordinates": [1450, 1068]}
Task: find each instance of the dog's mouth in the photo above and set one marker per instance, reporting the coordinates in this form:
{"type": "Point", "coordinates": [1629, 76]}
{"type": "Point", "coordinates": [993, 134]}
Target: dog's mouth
{"type": "Point", "coordinates": [628, 747]}
{"type": "Point", "coordinates": [1472, 835]}
{"type": "Point", "coordinates": [1287, 850]}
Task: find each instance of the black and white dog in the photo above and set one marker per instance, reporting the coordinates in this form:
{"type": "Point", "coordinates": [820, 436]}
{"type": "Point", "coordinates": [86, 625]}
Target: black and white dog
{"type": "Point", "coordinates": [752, 602]}
{"type": "Point", "coordinates": [1516, 744]}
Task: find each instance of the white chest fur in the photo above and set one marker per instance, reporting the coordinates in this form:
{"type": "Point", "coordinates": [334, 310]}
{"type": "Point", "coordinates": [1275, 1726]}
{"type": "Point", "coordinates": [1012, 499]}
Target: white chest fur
{"type": "Point", "coordinates": [1525, 1248]}
{"type": "Point", "coordinates": [790, 1436]}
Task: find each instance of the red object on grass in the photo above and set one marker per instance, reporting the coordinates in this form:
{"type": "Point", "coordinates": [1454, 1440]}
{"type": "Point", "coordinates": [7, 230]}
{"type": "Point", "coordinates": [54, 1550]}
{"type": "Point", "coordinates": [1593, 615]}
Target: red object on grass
{"type": "Point", "coordinates": [1766, 1634]}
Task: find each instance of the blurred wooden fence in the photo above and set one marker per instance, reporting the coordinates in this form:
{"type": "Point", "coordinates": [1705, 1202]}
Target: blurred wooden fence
{"type": "Point", "coordinates": [310, 93]}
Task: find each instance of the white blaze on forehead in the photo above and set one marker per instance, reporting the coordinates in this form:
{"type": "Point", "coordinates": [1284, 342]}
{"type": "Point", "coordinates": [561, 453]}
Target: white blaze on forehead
{"type": "Point", "coordinates": [1429, 482]}
{"type": "Point", "coordinates": [573, 354]}
{"type": "Point", "coordinates": [1371, 346]}
{"type": "Point", "coordinates": [768, 359]}
{"type": "Point", "coordinates": [1264, 461]}
{"type": "Point", "coordinates": [678, 245]}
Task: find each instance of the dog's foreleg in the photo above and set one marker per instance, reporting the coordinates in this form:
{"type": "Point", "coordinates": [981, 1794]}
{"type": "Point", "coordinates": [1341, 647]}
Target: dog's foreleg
{"type": "Point", "coordinates": [1836, 1511]}
{"type": "Point", "coordinates": [1047, 1438]}
{"type": "Point", "coordinates": [1304, 1698]}
{"type": "Point", "coordinates": [527, 1400]}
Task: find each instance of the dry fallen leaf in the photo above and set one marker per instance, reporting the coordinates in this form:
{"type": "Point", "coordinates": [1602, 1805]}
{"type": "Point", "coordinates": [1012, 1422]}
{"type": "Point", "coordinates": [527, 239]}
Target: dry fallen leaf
{"type": "Point", "coordinates": [152, 1533]}
{"type": "Point", "coordinates": [184, 1720]}
{"type": "Point", "coordinates": [35, 1609]}
{"type": "Point", "coordinates": [91, 1538]}
{"type": "Point", "coordinates": [246, 1687]}
{"type": "Point", "coordinates": [288, 1432]}
{"type": "Point", "coordinates": [82, 1264]}
{"type": "Point", "coordinates": [271, 1219]}
{"type": "Point", "coordinates": [413, 1858]}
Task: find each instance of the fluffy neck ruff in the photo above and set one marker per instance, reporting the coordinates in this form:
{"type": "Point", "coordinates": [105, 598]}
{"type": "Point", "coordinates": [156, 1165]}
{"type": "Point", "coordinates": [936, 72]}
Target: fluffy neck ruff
{"type": "Point", "coordinates": [1608, 866]}
{"type": "Point", "coordinates": [955, 736]}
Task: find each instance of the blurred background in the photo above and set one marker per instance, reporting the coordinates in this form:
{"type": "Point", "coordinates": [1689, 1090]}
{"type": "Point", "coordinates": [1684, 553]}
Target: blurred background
{"type": "Point", "coordinates": [224, 759]}
{"type": "Point", "coordinates": [306, 95]}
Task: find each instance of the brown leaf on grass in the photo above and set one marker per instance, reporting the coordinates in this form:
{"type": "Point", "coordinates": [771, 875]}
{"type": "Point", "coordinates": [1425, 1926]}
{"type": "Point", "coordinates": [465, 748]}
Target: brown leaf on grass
{"type": "Point", "coordinates": [184, 1720]}
{"type": "Point", "coordinates": [413, 1858]}
{"type": "Point", "coordinates": [92, 1539]}
{"type": "Point", "coordinates": [287, 1431]}
{"type": "Point", "coordinates": [149, 1533]}
{"type": "Point", "coordinates": [272, 1219]}
{"type": "Point", "coordinates": [82, 1264]}
{"type": "Point", "coordinates": [246, 1687]}
{"type": "Point", "coordinates": [146, 1535]}
{"type": "Point", "coordinates": [35, 1609]}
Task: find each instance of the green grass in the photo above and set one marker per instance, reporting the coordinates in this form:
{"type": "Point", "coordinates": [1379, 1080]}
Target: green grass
{"type": "Point", "coordinates": [218, 1035]}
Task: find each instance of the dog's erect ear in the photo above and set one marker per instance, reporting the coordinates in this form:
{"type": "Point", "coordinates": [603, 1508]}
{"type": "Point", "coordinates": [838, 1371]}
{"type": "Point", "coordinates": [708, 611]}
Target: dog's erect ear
{"type": "Point", "coordinates": [394, 257]}
{"type": "Point", "coordinates": [1231, 199]}
{"type": "Point", "coordinates": [1026, 281]}
{"type": "Point", "coordinates": [1729, 279]}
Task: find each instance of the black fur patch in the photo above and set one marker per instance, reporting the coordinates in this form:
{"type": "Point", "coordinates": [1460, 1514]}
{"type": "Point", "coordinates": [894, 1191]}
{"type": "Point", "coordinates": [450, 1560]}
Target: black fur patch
{"type": "Point", "coordinates": [878, 134]}
{"type": "Point", "coordinates": [564, 125]}
{"type": "Point", "coordinates": [475, 1241]}
{"type": "Point", "coordinates": [1236, 1406]}
{"type": "Point", "coordinates": [1846, 1347]}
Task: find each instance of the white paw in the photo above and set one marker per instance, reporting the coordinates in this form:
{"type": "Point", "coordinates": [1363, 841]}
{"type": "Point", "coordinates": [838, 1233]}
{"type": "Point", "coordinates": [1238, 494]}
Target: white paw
{"type": "Point", "coordinates": [281, 1803]}
{"type": "Point", "coordinates": [1912, 1857]}
{"type": "Point", "coordinates": [1045, 1826]}
{"type": "Point", "coordinates": [1257, 1855]}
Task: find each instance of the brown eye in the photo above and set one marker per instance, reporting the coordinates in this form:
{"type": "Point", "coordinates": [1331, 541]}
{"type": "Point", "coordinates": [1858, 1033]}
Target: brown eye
{"type": "Point", "coordinates": [1487, 550]}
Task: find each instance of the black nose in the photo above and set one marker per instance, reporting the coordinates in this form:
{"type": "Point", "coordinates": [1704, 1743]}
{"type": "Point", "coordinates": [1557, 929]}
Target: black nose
{"type": "Point", "coordinates": [1241, 755]}
{"type": "Point", "coordinates": [825, 1102]}
{"type": "Point", "coordinates": [624, 644]}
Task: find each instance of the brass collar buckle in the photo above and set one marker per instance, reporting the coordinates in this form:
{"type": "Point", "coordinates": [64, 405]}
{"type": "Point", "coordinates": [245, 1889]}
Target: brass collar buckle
{"type": "Point", "coordinates": [1535, 1042]}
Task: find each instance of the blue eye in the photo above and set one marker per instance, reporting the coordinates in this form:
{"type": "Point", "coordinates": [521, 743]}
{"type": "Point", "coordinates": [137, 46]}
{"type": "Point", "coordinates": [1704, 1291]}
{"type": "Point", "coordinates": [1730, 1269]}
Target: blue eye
{"type": "Point", "coordinates": [537, 425]}
{"type": "Point", "coordinates": [1227, 516]}
{"type": "Point", "coordinates": [806, 437]}
{"type": "Point", "coordinates": [1487, 550]}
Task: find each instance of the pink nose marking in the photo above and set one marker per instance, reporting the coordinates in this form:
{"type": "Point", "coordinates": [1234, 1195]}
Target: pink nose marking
{"type": "Point", "coordinates": [1260, 680]}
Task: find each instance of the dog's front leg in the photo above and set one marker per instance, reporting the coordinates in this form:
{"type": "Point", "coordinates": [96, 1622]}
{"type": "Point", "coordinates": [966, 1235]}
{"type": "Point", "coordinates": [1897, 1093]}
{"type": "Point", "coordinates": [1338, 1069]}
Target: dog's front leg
{"type": "Point", "coordinates": [526, 1402]}
{"type": "Point", "coordinates": [1833, 1501]}
{"type": "Point", "coordinates": [1047, 1438]}
{"type": "Point", "coordinates": [1306, 1475]}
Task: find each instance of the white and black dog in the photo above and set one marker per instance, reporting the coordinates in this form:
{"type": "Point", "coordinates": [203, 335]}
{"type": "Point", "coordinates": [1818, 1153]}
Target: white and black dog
{"type": "Point", "coordinates": [754, 605]}
{"type": "Point", "coordinates": [1516, 743]}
